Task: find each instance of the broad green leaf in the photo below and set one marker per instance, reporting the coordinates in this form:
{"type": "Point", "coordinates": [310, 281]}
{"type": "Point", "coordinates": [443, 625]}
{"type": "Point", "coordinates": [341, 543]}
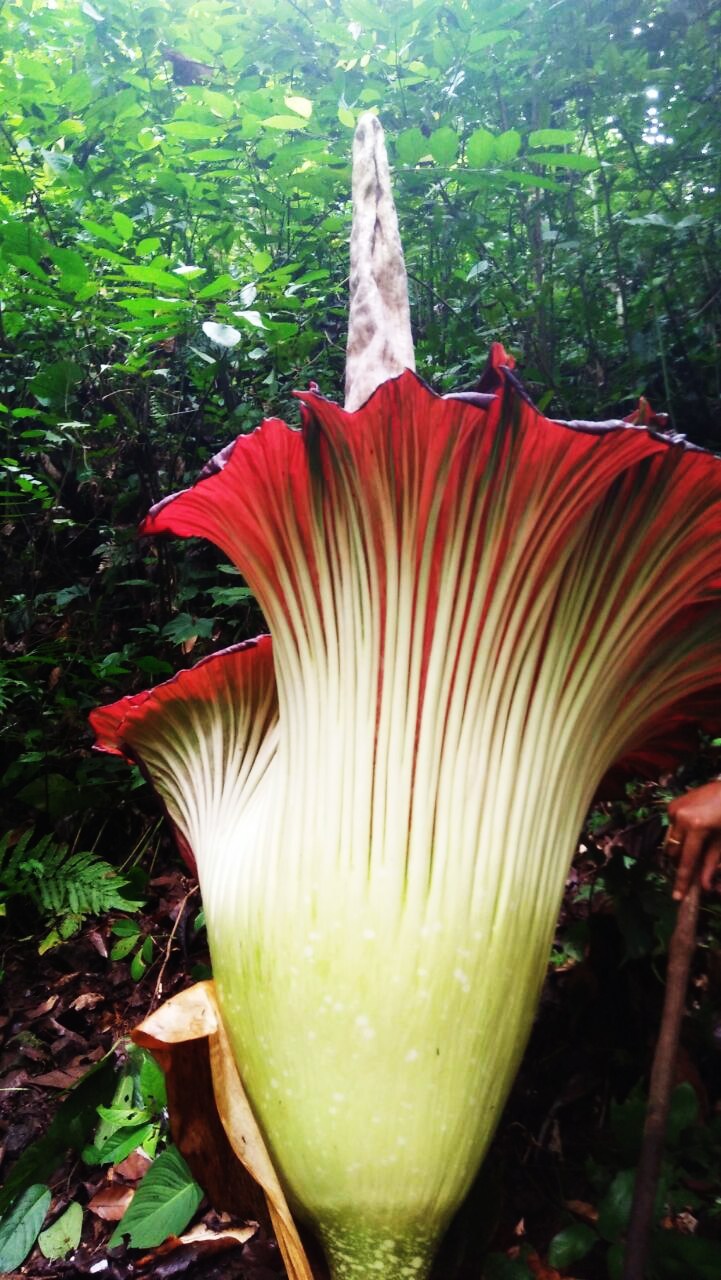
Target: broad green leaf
{"type": "Point", "coordinates": [480, 149]}
{"type": "Point", "coordinates": [72, 267]}
{"type": "Point", "coordinates": [63, 1236]}
{"type": "Point", "coordinates": [102, 232]}
{"type": "Point", "coordinates": [346, 116]}
{"type": "Point", "coordinates": [302, 106]}
{"type": "Point", "coordinates": [163, 1204]}
{"type": "Point", "coordinates": [143, 307]}
{"type": "Point", "coordinates": [683, 1111]}
{"type": "Point", "coordinates": [191, 129]}
{"type": "Point", "coordinates": [570, 1245]}
{"type": "Point", "coordinates": [507, 145]}
{"type": "Point", "coordinates": [284, 122]}
{"type": "Point", "coordinates": [213, 154]}
{"type": "Point", "coordinates": [615, 1208]}
{"type": "Point", "coordinates": [223, 335]}
{"type": "Point", "coordinates": [55, 384]}
{"type": "Point", "coordinates": [220, 104]}
{"type": "Point", "coordinates": [261, 261]}
{"type": "Point", "coordinates": [562, 160]}
{"type": "Point", "coordinates": [484, 39]}
{"type": "Point", "coordinates": [443, 144]}
{"type": "Point", "coordinates": [19, 1228]}
{"type": "Point", "coordinates": [411, 146]}
{"type": "Point", "coordinates": [154, 275]}
{"type": "Point", "coordinates": [123, 224]}
{"type": "Point", "coordinates": [223, 284]}
{"type": "Point", "coordinates": [552, 137]}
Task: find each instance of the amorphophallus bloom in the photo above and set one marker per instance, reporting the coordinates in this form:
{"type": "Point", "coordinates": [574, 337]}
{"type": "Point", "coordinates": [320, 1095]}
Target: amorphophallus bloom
{"type": "Point", "coordinates": [475, 612]}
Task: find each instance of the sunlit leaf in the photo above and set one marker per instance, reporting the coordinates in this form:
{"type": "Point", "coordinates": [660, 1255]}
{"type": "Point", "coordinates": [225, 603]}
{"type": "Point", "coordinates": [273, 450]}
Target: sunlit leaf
{"type": "Point", "coordinates": [63, 1236]}
{"type": "Point", "coordinates": [479, 148]}
{"type": "Point", "coordinates": [552, 137]}
{"type": "Point", "coordinates": [224, 335]}
{"type": "Point", "coordinates": [302, 106]}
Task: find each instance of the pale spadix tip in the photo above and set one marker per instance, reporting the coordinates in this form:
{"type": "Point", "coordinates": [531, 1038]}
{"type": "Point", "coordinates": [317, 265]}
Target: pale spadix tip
{"type": "Point", "coordinates": [380, 345]}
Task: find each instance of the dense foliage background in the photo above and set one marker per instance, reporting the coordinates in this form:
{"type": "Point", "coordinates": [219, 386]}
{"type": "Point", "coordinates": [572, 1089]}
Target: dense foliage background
{"type": "Point", "coordinates": [174, 218]}
{"type": "Point", "coordinates": [170, 166]}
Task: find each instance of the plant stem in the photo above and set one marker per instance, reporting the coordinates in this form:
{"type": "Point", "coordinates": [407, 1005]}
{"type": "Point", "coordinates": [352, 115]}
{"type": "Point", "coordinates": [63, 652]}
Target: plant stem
{"type": "Point", "coordinates": [681, 949]}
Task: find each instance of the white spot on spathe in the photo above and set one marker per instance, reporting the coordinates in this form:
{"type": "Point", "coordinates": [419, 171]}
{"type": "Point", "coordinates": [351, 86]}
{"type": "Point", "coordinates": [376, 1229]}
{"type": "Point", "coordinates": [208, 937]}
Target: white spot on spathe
{"type": "Point", "coordinates": [412, 1055]}
{"type": "Point", "coordinates": [369, 934]}
{"type": "Point", "coordinates": [363, 1024]}
{"type": "Point", "coordinates": [462, 979]}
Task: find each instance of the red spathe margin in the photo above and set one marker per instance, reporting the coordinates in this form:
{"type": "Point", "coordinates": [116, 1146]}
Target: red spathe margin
{"type": "Point", "coordinates": [269, 499]}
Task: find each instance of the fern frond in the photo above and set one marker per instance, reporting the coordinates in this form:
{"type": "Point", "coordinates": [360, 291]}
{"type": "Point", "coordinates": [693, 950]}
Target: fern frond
{"type": "Point", "coordinates": [57, 881]}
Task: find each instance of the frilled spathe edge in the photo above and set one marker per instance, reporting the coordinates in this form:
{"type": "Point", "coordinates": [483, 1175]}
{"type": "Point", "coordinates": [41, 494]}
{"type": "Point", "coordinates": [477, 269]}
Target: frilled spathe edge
{"type": "Point", "coordinates": [203, 737]}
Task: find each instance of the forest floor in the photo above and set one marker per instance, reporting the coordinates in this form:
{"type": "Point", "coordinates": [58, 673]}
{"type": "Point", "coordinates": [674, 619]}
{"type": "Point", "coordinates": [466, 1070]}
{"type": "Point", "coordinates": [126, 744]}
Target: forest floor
{"type": "Point", "coordinates": [552, 1199]}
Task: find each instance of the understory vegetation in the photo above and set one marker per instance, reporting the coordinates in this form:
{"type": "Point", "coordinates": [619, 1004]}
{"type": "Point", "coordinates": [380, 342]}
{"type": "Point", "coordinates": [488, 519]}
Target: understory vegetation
{"type": "Point", "coordinates": [174, 221]}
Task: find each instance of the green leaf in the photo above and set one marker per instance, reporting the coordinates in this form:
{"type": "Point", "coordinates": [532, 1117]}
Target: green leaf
{"type": "Point", "coordinates": [507, 145]}
{"type": "Point", "coordinates": [101, 232]}
{"type": "Point", "coordinates": [123, 947]}
{"type": "Point", "coordinates": [19, 1228]}
{"type": "Point", "coordinates": [552, 137]}
{"type": "Point", "coordinates": [162, 1206]}
{"type": "Point", "coordinates": [185, 627]}
{"type": "Point", "coordinates": [411, 146]}
{"type": "Point", "coordinates": [220, 104]}
{"type": "Point", "coordinates": [63, 1236]}
{"type": "Point", "coordinates": [223, 284]}
{"type": "Point", "coordinates": [284, 122]}
{"type": "Point", "coordinates": [346, 116]}
{"type": "Point", "coordinates": [615, 1208]}
{"type": "Point", "coordinates": [443, 145]}
{"type": "Point", "coordinates": [480, 148]}
{"type": "Point", "coordinates": [54, 385]}
{"type": "Point", "coordinates": [223, 335]}
{"type": "Point", "coordinates": [683, 1111]}
{"type": "Point", "coordinates": [485, 39]}
{"type": "Point", "coordinates": [125, 225]}
{"type": "Point", "coordinates": [154, 275]}
{"type": "Point", "coordinates": [213, 155]}
{"type": "Point", "coordinates": [570, 1245]}
{"type": "Point", "coordinates": [561, 160]}
{"type": "Point", "coordinates": [192, 130]}
{"type": "Point", "coordinates": [261, 261]}
{"type": "Point", "coordinates": [302, 106]}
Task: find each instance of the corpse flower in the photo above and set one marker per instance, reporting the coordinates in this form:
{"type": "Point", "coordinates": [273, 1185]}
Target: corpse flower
{"type": "Point", "coordinates": [475, 613]}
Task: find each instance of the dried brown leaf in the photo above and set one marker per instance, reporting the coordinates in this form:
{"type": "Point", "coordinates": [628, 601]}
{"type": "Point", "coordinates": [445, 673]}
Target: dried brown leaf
{"type": "Point", "coordinates": [170, 1032]}
{"type": "Point", "coordinates": [87, 1000]}
{"type": "Point", "coordinates": [111, 1201]}
{"type": "Point", "coordinates": [134, 1166]}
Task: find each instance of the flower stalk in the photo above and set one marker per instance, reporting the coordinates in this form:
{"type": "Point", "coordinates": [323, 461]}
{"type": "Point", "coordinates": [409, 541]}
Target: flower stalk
{"type": "Point", "coordinates": [475, 613]}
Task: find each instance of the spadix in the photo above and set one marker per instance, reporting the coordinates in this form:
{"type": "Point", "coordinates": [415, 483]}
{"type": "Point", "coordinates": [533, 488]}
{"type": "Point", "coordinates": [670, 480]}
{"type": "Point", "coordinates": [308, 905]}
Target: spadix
{"type": "Point", "coordinates": [475, 612]}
